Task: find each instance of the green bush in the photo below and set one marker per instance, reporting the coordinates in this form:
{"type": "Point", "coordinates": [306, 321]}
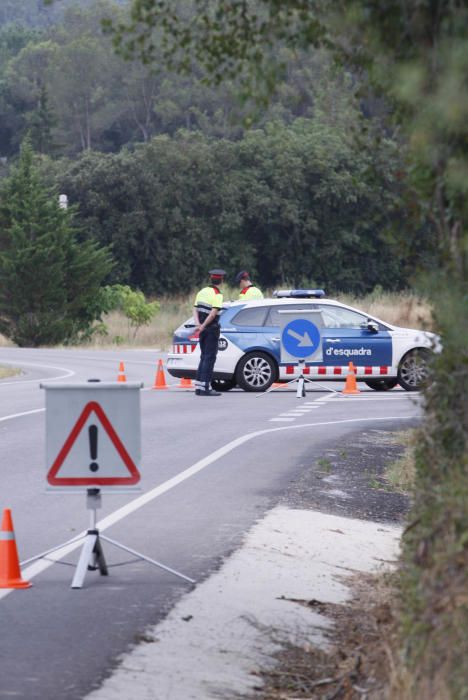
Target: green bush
{"type": "Point", "coordinates": [132, 303]}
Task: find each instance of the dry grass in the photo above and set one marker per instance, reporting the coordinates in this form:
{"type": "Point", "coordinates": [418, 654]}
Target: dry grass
{"type": "Point", "coordinates": [158, 334]}
{"type": "Point", "coordinates": [401, 309]}
{"type": "Point", "coordinates": [398, 308]}
{"type": "Point", "coordinates": [358, 661]}
{"type": "Point", "coordinates": [402, 473]}
{"type": "Point", "coordinates": [9, 372]}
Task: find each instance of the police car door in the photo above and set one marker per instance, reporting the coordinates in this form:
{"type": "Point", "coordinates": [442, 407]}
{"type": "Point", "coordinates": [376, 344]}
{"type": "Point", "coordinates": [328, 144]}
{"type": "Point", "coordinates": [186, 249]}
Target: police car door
{"type": "Point", "coordinates": [347, 337]}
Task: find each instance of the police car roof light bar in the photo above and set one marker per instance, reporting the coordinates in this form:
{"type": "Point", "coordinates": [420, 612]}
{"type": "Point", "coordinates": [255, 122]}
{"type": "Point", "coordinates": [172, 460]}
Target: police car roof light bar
{"type": "Point", "coordinates": [299, 293]}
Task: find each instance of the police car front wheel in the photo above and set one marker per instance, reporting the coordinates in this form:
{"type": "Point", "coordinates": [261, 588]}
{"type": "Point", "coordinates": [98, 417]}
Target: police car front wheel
{"type": "Point", "coordinates": [256, 372]}
{"type": "Point", "coordinates": [413, 369]}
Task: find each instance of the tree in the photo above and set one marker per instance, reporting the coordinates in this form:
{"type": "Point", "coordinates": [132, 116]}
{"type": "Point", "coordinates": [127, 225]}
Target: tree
{"type": "Point", "coordinates": [49, 283]}
{"type": "Point", "coordinates": [285, 193]}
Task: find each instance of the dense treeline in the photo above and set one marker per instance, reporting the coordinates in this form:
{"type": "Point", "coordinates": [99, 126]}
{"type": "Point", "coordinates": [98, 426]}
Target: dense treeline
{"type": "Point", "coordinates": [62, 84]}
{"type": "Point", "coordinates": [294, 203]}
{"type": "Point", "coordinates": [164, 170]}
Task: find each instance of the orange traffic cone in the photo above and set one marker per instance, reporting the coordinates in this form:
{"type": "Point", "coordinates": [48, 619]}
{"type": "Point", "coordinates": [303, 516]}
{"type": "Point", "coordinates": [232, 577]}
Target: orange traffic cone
{"type": "Point", "coordinates": [185, 383]}
{"type": "Point", "coordinates": [121, 376]}
{"type": "Point", "coordinates": [350, 385]}
{"type": "Point", "coordinates": [160, 379]}
{"type": "Point", "coordinates": [10, 574]}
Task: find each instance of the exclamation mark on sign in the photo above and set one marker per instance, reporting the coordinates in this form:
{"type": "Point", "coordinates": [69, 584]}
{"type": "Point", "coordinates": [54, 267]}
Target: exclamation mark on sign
{"type": "Point", "coordinates": [93, 445]}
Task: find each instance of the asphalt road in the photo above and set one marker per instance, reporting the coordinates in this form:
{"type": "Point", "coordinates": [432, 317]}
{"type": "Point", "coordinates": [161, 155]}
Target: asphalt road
{"type": "Point", "coordinates": [210, 468]}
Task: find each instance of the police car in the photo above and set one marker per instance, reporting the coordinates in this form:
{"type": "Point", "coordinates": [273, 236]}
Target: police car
{"type": "Point", "coordinates": [250, 354]}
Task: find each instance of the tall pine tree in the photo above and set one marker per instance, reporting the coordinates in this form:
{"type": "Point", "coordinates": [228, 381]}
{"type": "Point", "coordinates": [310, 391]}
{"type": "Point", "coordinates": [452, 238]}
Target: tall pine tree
{"type": "Point", "coordinates": [49, 282]}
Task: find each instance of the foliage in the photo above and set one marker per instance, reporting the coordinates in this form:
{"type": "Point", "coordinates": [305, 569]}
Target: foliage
{"type": "Point", "coordinates": [234, 40]}
{"type": "Point", "coordinates": [132, 303]}
{"type": "Point", "coordinates": [288, 203]}
{"type": "Point", "coordinates": [48, 281]}
{"type": "Point", "coordinates": [95, 99]}
{"type": "Point", "coordinates": [435, 554]}
{"type": "Point", "coordinates": [415, 54]}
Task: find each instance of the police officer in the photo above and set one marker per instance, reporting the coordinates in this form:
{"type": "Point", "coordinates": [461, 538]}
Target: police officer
{"type": "Point", "coordinates": [247, 289]}
{"type": "Point", "coordinates": [208, 304]}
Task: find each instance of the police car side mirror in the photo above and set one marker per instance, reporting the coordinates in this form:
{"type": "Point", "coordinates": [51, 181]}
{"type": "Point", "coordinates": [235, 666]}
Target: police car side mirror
{"type": "Point", "coordinates": [372, 326]}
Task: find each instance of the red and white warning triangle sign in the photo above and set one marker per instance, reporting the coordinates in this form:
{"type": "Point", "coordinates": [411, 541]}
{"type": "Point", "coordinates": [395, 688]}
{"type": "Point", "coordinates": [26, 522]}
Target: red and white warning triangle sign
{"type": "Point", "coordinates": [93, 454]}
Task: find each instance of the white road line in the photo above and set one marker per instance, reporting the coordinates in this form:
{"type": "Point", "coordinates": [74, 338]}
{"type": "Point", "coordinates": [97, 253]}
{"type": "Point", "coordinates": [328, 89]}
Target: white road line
{"type": "Point", "coordinates": [68, 372]}
{"type": "Point", "coordinates": [113, 360]}
{"type": "Point", "coordinates": [376, 398]}
{"type": "Point", "coordinates": [282, 420]}
{"type": "Point", "coordinates": [18, 415]}
{"type": "Point", "coordinates": [121, 513]}
{"type": "Point", "coordinates": [301, 410]}
{"type": "Point", "coordinates": [295, 413]}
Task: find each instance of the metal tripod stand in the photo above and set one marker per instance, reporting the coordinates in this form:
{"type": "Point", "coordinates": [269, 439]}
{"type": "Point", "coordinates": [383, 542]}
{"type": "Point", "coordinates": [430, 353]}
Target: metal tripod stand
{"type": "Point", "coordinates": [92, 555]}
{"type": "Point", "coordinates": [301, 383]}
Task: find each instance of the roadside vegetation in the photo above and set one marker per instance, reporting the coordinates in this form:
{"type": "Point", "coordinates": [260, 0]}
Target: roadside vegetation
{"type": "Point", "coordinates": [401, 474]}
{"type": "Point", "coordinates": [153, 326]}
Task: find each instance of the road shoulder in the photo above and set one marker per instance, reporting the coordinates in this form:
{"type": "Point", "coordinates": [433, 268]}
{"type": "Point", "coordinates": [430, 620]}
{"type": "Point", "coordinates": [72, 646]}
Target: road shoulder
{"type": "Point", "coordinates": [221, 636]}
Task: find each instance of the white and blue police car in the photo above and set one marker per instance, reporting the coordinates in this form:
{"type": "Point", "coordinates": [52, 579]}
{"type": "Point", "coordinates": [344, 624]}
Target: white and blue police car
{"type": "Point", "coordinates": [250, 354]}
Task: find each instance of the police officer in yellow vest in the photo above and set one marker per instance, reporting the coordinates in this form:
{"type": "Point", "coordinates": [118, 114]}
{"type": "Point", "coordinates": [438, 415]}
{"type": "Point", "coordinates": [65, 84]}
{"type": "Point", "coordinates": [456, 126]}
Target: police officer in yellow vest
{"type": "Point", "coordinates": [208, 304]}
{"type": "Point", "coordinates": [247, 290]}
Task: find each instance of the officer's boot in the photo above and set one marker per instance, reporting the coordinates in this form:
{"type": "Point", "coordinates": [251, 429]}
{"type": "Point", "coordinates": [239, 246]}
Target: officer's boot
{"type": "Point", "coordinates": [206, 390]}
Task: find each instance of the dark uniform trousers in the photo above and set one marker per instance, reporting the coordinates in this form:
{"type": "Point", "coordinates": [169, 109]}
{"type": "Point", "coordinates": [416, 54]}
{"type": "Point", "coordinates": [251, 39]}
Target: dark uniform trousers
{"type": "Point", "coordinates": [208, 350]}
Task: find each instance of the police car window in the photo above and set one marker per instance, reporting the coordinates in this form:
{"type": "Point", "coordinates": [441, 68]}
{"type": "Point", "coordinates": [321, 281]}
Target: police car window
{"type": "Point", "coordinates": [339, 317]}
{"type": "Point", "coordinates": [274, 318]}
{"type": "Point", "coordinates": [253, 316]}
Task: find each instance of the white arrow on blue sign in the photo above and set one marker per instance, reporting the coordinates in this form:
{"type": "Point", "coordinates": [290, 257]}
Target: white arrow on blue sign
{"type": "Point", "coordinates": [300, 338]}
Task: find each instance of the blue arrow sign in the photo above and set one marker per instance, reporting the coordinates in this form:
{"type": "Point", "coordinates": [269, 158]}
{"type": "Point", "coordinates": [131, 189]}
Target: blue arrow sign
{"type": "Point", "coordinates": [300, 338]}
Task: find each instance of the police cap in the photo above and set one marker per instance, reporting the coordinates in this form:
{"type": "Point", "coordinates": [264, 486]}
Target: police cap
{"type": "Point", "coordinates": [217, 274]}
{"type": "Point", "coordinates": [242, 275]}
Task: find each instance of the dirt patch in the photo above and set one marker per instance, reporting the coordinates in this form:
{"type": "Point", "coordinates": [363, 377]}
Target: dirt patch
{"type": "Point", "coordinates": [357, 663]}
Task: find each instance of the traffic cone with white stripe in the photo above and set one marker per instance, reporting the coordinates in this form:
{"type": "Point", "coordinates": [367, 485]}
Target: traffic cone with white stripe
{"type": "Point", "coordinates": [121, 377]}
{"type": "Point", "coordinates": [160, 379]}
{"type": "Point", "coordinates": [350, 385]}
{"type": "Point", "coordinates": [10, 574]}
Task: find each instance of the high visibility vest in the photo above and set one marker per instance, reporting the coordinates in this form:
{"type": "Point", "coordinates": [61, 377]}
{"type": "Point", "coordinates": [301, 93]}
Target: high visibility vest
{"type": "Point", "coordinates": [249, 293]}
{"type": "Point", "coordinates": [207, 299]}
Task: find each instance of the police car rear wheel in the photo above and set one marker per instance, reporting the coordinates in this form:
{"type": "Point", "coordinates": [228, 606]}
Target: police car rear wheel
{"type": "Point", "coordinates": [381, 384]}
{"type": "Point", "coordinates": [223, 384]}
{"type": "Point", "coordinates": [413, 369]}
{"type": "Point", "coordinates": [256, 372]}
